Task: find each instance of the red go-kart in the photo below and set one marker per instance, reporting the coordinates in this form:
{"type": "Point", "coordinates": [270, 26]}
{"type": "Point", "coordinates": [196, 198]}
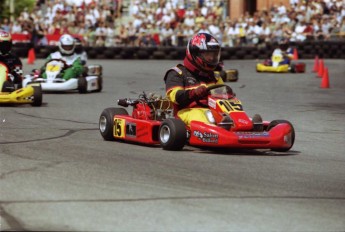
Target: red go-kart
{"type": "Point", "coordinates": [153, 122]}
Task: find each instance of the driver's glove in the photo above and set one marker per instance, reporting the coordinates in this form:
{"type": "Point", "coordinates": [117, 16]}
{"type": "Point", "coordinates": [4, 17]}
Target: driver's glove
{"type": "Point", "coordinates": [198, 93]}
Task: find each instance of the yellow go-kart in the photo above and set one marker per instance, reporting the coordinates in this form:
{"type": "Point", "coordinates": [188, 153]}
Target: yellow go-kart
{"type": "Point", "coordinates": [10, 94]}
{"type": "Point", "coordinates": [274, 65]}
{"type": "Point", "coordinates": [228, 75]}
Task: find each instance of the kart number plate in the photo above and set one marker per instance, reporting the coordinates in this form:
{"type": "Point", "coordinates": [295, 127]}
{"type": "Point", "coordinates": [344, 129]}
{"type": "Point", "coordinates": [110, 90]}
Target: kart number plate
{"type": "Point", "coordinates": [119, 128]}
{"type": "Point", "coordinates": [230, 105]}
{"type": "Point", "coordinates": [277, 58]}
{"type": "Point", "coordinates": [53, 67]}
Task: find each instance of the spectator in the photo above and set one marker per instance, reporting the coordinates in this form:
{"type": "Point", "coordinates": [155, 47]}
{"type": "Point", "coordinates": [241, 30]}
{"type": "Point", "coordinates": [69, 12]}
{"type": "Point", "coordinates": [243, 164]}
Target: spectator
{"type": "Point", "coordinates": [5, 25]}
{"type": "Point", "coordinates": [16, 27]}
{"type": "Point", "coordinates": [166, 33]}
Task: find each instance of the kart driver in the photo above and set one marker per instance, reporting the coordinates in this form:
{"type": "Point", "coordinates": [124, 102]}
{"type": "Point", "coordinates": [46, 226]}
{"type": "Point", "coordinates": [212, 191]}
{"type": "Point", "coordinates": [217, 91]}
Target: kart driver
{"type": "Point", "coordinates": [13, 63]}
{"type": "Point", "coordinates": [67, 54]}
{"type": "Point", "coordinates": [186, 83]}
{"type": "Point", "coordinates": [80, 51]}
{"type": "Point", "coordinates": [283, 54]}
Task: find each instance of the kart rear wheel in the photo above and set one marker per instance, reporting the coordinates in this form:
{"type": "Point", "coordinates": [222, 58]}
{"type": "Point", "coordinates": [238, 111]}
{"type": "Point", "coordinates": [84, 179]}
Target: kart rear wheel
{"type": "Point", "coordinates": [292, 68]}
{"type": "Point", "coordinates": [37, 101]}
{"type": "Point", "coordinates": [82, 84]}
{"type": "Point", "coordinates": [232, 75]}
{"type": "Point", "coordinates": [106, 122]}
{"type": "Point", "coordinates": [172, 134]}
{"type": "Point", "coordinates": [275, 123]}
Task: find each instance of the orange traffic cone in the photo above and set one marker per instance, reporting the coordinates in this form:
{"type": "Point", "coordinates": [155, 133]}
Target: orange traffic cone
{"type": "Point", "coordinates": [321, 68]}
{"type": "Point", "coordinates": [316, 64]}
{"type": "Point", "coordinates": [325, 79]}
{"type": "Point", "coordinates": [31, 56]}
{"type": "Point", "coordinates": [295, 54]}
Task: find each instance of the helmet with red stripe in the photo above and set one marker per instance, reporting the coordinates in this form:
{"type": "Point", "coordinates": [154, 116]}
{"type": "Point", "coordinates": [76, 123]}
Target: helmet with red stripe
{"type": "Point", "coordinates": [203, 51]}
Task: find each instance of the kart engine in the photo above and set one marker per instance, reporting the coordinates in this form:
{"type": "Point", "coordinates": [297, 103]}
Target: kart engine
{"type": "Point", "coordinates": [149, 107]}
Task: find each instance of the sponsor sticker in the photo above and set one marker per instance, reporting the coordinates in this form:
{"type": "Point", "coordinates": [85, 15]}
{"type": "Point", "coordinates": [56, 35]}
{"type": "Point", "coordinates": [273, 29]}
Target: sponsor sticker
{"type": "Point", "coordinates": [206, 137]}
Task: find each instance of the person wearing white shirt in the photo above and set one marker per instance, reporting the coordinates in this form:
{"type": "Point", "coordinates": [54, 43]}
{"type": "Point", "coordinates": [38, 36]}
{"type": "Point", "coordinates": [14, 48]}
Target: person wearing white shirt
{"type": "Point", "coordinates": [233, 34]}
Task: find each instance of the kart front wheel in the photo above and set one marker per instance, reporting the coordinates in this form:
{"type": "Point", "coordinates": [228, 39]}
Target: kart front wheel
{"type": "Point", "coordinates": [82, 84]}
{"type": "Point", "coordinates": [172, 134]}
{"type": "Point", "coordinates": [292, 136]}
{"type": "Point", "coordinates": [106, 122]}
{"type": "Point", "coordinates": [37, 101]}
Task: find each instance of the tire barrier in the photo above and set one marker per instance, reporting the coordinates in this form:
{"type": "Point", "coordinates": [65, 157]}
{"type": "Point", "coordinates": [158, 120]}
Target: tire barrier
{"type": "Point", "coordinates": [306, 50]}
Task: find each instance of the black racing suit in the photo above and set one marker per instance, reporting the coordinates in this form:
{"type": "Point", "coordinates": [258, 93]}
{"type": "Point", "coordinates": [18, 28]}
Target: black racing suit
{"type": "Point", "coordinates": [179, 82]}
{"type": "Point", "coordinates": [14, 65]}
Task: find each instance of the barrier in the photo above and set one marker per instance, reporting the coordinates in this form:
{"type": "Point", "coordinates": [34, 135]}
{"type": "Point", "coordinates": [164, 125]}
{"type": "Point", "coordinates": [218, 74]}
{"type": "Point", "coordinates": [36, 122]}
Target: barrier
{"type": "Point", "coordinates": [308, 50]}
{"type": "Point", "coordinates": [20, 38]}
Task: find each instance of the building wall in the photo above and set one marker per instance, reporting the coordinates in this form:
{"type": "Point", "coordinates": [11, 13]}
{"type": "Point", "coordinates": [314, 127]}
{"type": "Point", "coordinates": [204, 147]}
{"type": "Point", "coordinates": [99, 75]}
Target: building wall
{"type": "Point", "coordinates": [238, 7]}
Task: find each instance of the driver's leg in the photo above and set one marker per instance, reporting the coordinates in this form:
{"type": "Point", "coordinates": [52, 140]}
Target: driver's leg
{"type": "Point", "coordinates": [69, 73]}
{"type": "Point", "coordinates": [193, 114]}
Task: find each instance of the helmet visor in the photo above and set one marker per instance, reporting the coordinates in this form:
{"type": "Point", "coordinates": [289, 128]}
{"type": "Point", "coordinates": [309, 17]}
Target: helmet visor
{"type": "Point", "coordinates": [210, 57]}
{"type": "Point", "coordinates": [5, 47]}
{"type": "Point", "coordinates": [67, 47]}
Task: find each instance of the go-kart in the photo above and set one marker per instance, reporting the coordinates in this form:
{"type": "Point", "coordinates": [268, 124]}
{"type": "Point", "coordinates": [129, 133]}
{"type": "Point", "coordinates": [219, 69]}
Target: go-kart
{"type": "Point", "coordinates": [90, 81]}
{"type": "Point", "coordinates": [226, 74]}
{"type": "Point", "coordinates": [153, 122]}
{"type": "Point", "coordinates": [274, 65]}
{"type": "Point", "coordinates": [11, 94]}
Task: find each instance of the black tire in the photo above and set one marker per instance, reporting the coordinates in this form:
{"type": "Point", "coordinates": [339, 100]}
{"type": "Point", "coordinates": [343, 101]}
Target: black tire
{"type": "Point", "coordinates": [100, 84]}
{"type": "Point", "coordinates": [37, 101]}
{"type": "Point", "coordinates": [106, 122]}
{"type": "Point", "coordinates": [293, 68]}
{"type": "Point", "coordinates": [275, 123]}
{"type": "Point", "coordinates": [172, 134]}
{"type": "Point", "coordinates": [82, 84]}
{"type": "Point", "coordinates": [234, 76]}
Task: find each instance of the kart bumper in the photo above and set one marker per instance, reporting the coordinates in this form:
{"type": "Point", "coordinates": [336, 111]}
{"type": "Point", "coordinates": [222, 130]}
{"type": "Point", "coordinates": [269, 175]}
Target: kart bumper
{"type": "Point", "coordinates": [279, 69]}
{"type": "Point", "coordinates": [213, 136]}
{"type": "Point", "coordinates": [71, 84]}
{"type": "Point", "coordinates": [20, 96]}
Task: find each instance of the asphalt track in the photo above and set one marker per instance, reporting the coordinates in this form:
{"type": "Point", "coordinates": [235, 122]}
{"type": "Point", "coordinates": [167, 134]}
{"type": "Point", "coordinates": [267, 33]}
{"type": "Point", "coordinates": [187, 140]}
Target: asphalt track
{"type": "Point", "coordinates": [57, 173]}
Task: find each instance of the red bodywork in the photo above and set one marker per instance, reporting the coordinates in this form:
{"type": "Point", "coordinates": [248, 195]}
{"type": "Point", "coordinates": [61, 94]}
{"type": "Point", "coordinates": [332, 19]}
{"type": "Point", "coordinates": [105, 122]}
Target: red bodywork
{"type": "Point", "coordinates": [142, 127]}
{"type": "Point", "coordinates": [213, 136]}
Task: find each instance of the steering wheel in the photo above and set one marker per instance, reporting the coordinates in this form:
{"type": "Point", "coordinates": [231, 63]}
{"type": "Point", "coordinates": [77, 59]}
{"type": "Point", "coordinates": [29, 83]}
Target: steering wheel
{"type": "Point", "coordinates": [65, 65]}
{"type": "Point", "coordinates": [209, 88]}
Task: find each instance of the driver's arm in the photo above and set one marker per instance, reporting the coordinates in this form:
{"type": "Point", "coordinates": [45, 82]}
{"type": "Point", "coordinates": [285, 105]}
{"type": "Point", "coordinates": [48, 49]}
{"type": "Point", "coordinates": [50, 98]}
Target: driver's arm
{"type": "Point", "coordinates": [177, 93]}
{"type": "Point", "coordinates": [77, 67]}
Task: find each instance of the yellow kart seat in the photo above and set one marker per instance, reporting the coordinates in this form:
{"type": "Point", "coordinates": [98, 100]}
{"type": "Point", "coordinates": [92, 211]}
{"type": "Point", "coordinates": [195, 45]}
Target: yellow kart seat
{"type": "Point", "coordinates": [3, 74]}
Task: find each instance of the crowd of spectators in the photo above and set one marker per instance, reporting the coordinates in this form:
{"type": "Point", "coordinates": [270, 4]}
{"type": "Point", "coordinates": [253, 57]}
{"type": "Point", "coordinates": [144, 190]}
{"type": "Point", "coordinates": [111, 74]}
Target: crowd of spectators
{"type": "Point", "coordinates": [171, 22]}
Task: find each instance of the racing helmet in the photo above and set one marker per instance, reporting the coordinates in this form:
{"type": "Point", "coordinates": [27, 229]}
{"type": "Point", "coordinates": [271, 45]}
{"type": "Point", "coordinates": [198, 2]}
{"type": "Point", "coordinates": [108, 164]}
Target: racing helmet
{"type": "Point", "coordinates": [203, 51]}
{"type": "Point", "coordinates": [66, 44]}
{"type": "Point", "coordinates": [5, 42]}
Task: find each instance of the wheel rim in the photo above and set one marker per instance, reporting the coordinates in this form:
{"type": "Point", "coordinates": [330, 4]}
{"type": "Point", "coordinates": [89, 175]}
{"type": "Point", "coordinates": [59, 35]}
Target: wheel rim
{"type": "Point", "coordinates": [102, 123]}
{"type": "Point", "coordinates": [164, 134]}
